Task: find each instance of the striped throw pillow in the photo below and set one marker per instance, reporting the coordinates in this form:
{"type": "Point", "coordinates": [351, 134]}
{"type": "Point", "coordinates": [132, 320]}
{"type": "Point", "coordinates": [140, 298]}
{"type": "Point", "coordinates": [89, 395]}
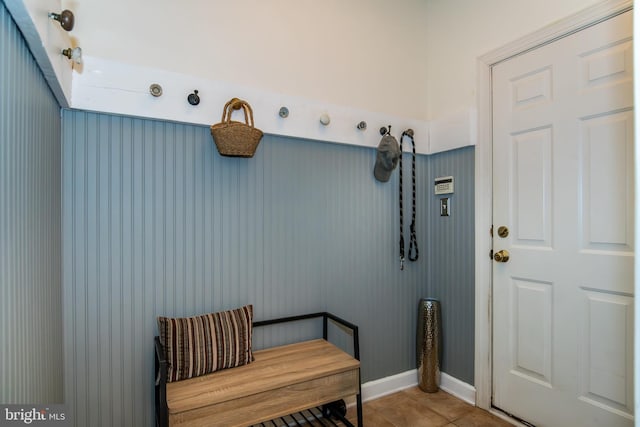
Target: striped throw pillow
{"type": "Point", "coordinates": [203, 344]}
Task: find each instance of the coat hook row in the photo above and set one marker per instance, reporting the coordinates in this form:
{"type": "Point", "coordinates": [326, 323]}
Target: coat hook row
{"type": "Point", "coordinates": [194, 99]}
{"type": "Point", "coordinates": [325, 119]}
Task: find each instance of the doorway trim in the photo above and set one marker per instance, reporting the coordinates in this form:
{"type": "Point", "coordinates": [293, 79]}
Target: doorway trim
{"type": "Point", "coordinates": [484, 171]}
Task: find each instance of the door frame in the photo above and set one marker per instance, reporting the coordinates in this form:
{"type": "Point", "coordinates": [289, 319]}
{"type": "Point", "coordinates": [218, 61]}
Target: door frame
{"type": "Point", "coordinates": [484, 172]}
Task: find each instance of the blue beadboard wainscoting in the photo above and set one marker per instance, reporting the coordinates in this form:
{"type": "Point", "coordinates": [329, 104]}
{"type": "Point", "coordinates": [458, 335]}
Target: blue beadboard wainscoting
{"type": "Point", "coordinates": [156, 222]}
{"type": "Point", "coordinates": [31, 348]}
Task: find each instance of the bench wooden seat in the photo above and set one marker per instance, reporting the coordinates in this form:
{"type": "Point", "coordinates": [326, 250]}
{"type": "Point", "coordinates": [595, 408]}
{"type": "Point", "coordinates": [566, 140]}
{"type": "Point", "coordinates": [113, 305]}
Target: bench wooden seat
{"type": "Point", "coordinates": [280, 381]}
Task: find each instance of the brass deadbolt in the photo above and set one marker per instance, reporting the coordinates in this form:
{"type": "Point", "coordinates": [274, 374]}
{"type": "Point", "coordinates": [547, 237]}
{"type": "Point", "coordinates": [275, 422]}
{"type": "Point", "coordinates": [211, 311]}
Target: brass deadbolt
{"type": "Point", "coordinates": [503, 231]}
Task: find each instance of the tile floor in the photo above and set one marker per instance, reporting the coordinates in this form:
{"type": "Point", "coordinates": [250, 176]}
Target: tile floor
{"type": "Point", "coordinates": [414, 408]}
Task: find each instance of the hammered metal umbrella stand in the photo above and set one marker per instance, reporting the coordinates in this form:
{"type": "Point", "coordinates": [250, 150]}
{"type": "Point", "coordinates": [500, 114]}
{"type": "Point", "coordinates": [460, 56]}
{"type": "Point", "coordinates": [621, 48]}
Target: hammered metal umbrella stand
{"type": "Point", "coordinates": [429, 345]}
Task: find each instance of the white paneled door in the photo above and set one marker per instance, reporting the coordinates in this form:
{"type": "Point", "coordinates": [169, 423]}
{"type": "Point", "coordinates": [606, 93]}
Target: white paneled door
{"type": "Point", "coordinates": [563, 230]}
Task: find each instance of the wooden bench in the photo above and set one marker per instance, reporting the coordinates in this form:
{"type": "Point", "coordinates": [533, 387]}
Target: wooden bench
{"type": "Point", "coordinates": [281, 381]}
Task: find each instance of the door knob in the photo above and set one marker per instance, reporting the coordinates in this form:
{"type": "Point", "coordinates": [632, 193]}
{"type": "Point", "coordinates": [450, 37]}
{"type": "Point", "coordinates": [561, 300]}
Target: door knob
{"type": "Point", "coordinates": [501, 256]}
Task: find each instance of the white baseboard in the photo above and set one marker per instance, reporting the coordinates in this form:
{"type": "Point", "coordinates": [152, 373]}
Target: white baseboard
{"type": "Point", "coordinates": [458, 388]}
{"type": "Point", "coordinates": [388, 385]}
{"type": "Point", "coordinates": [394, 383]}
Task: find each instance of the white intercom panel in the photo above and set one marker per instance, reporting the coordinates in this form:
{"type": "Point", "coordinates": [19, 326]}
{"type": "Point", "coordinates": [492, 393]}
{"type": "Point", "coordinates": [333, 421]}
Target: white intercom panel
{"type": "Point", "coordinates": [443, 185]}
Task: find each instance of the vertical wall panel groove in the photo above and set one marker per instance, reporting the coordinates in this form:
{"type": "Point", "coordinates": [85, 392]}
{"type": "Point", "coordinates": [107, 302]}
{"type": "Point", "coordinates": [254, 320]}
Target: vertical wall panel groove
{"type": "Point", "coordinates": [31, 349]}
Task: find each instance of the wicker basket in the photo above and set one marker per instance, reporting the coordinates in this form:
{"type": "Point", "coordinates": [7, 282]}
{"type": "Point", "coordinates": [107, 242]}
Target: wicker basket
{"type": "Point", "coordinates": [236, 139]}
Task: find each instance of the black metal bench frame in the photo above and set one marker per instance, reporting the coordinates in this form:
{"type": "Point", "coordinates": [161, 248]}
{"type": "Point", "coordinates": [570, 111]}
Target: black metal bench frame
{"type": "Point", "coordinates": [327, 412]}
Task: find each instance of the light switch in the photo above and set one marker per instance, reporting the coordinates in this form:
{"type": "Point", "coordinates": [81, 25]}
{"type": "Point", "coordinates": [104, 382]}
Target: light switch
{"type": "Point", "coordinates": [444, 206]}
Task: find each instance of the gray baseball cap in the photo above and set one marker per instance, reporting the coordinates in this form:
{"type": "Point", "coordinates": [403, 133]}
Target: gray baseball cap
{"type": "Point", "coordinates": [387, 157]}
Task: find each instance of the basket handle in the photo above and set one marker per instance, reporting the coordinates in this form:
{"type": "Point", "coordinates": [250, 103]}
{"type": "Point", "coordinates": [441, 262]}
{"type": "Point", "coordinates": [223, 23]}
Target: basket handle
{"type": "Point", "coordinates": [236, 104]}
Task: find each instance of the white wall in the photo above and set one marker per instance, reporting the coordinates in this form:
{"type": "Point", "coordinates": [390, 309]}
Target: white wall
{"type": "Point", "coordinates": [404, 60]}
{"type": "Point", "coordinates": [459, 31]}
{"type": "Point", "coordinates": [366, 54]}
{"type": "Point", "coordinates": [408, 58]}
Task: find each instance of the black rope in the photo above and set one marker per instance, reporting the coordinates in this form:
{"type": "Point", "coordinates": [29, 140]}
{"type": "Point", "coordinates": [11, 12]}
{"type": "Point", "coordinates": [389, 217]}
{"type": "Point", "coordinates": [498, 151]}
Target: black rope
{"type": "Point", "coordinates": [401, 212]}
{"type": "Point", "coordinates": [413, 241]}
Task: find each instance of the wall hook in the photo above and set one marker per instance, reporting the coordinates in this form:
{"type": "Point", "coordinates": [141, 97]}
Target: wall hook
{"type": "Point", "coordinates": [65, 18]}
{"type": "Point", "coordinates": [385, 131]}
{"type": "Point", "coordinates": [284, 112]}
{"type": "Point", "coordinates": [193, 98]}
{"type": "Point", "coordinates": [236, 103]}
{"type": "Point", "coordinates": [74, 54]}
{"type": "Point", "coordinates": [155, 89]}
{"type": "Point", "coordinates": [325, 119]}
{"type": "Point", "coordinates": [362, 125]}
